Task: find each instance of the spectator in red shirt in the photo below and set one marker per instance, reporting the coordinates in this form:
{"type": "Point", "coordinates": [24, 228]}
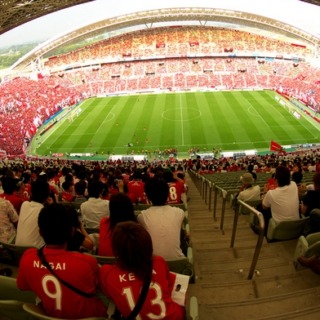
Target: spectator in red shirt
{"type": "Point", "coordinates": [137, 265]}
{"type": "Point", "coordinates": [9, 185]}
{"type": "Point", "coordinates": [79, 270]}
{"type": "Point", "coordinates": [176, 188]}
{"type": "Point", "coordinates": [136, 188]}
{"type": "Point", "coordinates": [121, 209]}
{"type": "Point", "coordinates": [68, 191]}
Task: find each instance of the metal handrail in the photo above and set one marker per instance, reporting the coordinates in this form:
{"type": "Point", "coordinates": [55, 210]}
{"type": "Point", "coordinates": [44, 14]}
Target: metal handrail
{"type": "Point", "coordinates": [211, 186]}
{"type": "Point", "coordinates": [215, 197]}
{"type": "Point", "coordinates": [202, 187]}
{"type": "Point", "coordinates": [205, 182]}
{"type": "Point", "coordinates": [235, 223]}
{"type": "Point", "coordinates": [260, 236]}
{"type": "Point", "coordinates": [195, 176]}
{"type": "Point", "coordinates": [224, 193]}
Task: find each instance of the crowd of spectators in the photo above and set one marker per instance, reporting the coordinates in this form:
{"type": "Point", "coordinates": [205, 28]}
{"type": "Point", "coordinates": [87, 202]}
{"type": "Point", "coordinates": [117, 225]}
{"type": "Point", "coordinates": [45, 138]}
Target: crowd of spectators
{"type": "Point", "coordinates": [118, 58]}
{"type": "Point", "coordinates": [157, 177]}
{"type": "Point", "coordinates": [26, 103]}
{"type": "Point", "coordinates": [51, 236]}
{"type": "Point", "coordinates": [106, 191]}
{"type": "Point", "coordinates": [95, 182]}
{"type": "Point", "coordinates": [99, 180]}
{"type": "Point", "coordinates": [307, 160]}
{"type": "Point", "coordinates": [173, 42]}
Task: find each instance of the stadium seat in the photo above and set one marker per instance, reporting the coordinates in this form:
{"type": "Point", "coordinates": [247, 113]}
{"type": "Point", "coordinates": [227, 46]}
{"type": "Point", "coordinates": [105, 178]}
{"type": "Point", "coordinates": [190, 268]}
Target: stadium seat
{"type": "Point", "coordinates": [12, 253]}
{"type": "Point", "coordinates": [9, 291]}
{"type": "Point", "coordinates": [12, 310]}
{"type": "Point", "coordinates": [252, 203]}
{"type": "Point", "coordinates": [286, 230]}
{"type": "Point", "coordinates": [75, 205]}
{"type": "Point", "coordinates": [307, 246]}
{"type": "Point", "coordinates": [103, 259]}
{"type": "Point", "coordinates": [36, 312]}
{"type": "Point", "coordinates": [193, 312]}
{"type": "Point", "coordinates": [182, 265]}
{"type": "Point", "coordinates": [12, 299]}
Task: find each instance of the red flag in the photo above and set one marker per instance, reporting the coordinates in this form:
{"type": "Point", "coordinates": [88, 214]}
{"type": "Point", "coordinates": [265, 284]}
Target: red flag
{"type": "Point", "coordinates": [275, 146]}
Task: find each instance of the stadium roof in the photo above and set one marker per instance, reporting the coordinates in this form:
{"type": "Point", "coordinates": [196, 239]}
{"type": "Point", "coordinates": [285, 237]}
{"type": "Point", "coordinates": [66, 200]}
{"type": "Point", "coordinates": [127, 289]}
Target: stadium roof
{"type": "Point", "coordinates": [17, 12]}
{"type": "Point", "coordinates": [316, 2]}
{"type": "Point", "coordinates": [14, 13]}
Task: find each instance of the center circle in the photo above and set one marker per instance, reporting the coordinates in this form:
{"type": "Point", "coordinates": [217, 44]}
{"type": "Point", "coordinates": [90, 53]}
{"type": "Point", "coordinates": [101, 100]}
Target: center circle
{"type": "Point", "coordinates": [180, 114]}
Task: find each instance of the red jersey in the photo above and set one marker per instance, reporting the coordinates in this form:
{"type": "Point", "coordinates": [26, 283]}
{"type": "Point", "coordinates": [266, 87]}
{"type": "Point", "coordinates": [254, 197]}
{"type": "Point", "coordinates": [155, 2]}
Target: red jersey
{"type": "Point", "coordinates": [105, 248]}
{"type": "Point", "coordinates": [176, 189]}
{"type": "Point", "coordinates": [136, 191]}
{"type": "Point", "coordinates": [124, 290]}
{"type": "Point", "coordinates": [53, 187]}
{"type": "Point", "coordinates": [80, 270]}
{"type": "Point", "coordinates": [14, 199]}
{"type": "Point", "coordinates": [27, 190]}
{"type": "Point", "coordinates": [67, 196]}
{"type": "Point", "coordinates": [271, 184]}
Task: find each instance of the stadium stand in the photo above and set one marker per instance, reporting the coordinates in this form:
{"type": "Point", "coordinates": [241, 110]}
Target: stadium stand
{"type": "Point", "coordinates": [215, 264]}
{"type": "Point", "coordinates": [121, 64]}
{"type": "Point", "coordinates": [250, 285]}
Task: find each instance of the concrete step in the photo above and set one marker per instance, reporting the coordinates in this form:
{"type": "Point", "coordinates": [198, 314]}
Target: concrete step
{"type": "Point", "coordinates": [277, 291]}
{"type": "Point", "coordinates": [261, 286]}
{"type": "Point", "coordinates": [220, 251]}
{"type": "Point", "coordinates": [311, 313]}
{"type": "Point", "coordinates": [263, 308]}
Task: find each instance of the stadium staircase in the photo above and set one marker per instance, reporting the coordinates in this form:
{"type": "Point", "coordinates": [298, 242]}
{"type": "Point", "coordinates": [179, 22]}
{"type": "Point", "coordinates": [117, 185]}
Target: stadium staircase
{"type": "Point", "coordinates": [277, 289]}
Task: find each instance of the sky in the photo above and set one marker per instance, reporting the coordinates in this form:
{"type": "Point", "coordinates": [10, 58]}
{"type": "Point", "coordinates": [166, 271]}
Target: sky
{"type": "Point", "coordinates": [294, 12]}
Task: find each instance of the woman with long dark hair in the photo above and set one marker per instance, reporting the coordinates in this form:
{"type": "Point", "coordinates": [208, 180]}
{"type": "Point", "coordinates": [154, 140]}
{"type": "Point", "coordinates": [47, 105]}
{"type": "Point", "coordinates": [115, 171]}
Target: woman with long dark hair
{"type": "Point", "coordinates": [121, 209]}
{"type": "Point", "coordinates": [135, 267]}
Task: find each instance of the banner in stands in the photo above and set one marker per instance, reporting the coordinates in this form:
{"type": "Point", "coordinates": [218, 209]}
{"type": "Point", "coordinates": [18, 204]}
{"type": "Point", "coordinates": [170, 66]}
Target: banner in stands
{"type": "Point", "coordinates": [275, 146]}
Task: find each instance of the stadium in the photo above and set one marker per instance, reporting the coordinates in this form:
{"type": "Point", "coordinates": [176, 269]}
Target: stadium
{"type": "Point", "coordinates": [177, 59]}
{"type": "Point", "coordinates": [169, 86]}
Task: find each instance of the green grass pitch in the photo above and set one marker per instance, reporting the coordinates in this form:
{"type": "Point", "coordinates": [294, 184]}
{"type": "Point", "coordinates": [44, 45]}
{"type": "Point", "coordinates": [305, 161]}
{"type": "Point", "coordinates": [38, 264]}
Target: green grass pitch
{"type": "Point", "coordinates": [230, 120]}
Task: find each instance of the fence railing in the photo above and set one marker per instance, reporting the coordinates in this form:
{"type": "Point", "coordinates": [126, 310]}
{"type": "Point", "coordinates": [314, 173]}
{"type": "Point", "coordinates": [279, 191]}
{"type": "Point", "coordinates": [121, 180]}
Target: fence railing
{"type": "Point", "coordinates": [207, 189]}
{"type": "Point", "coordinates": [260, 218]}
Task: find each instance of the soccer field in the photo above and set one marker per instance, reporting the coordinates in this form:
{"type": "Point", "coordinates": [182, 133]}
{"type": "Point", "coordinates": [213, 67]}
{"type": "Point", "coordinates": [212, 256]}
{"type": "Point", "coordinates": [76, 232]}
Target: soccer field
{"type": "Point", "coordinates": [227, 120]}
